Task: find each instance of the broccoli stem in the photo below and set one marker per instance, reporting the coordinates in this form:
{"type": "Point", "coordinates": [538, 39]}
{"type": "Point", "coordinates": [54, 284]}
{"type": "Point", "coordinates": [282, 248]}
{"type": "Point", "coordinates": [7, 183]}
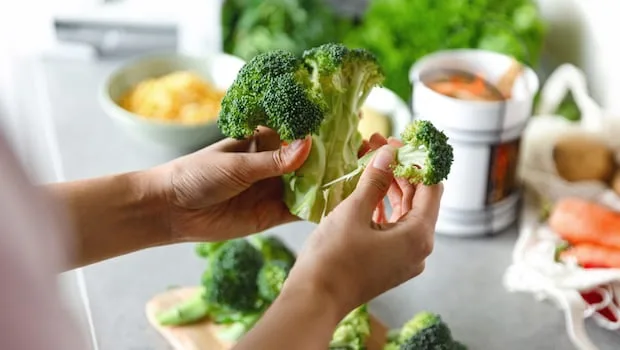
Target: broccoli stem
{"type": "Point", "coordinates": [405, 155]}
{"type": "Point", "coordinates": [189, 311]}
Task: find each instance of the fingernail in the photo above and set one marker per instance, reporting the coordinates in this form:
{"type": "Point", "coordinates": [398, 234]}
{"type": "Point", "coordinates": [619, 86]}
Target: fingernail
{"type": "Point", "coordinates": [384, 158]}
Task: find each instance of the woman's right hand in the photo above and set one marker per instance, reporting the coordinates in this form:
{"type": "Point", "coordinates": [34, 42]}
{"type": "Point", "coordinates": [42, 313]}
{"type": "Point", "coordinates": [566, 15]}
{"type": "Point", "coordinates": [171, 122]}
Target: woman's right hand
{"type": "Point", "coordinates": [350, 259]}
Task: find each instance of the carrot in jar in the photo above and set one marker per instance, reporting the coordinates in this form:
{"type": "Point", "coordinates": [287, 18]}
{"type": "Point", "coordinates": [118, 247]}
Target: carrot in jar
{"type": "Point", "coordinates": [580, 221]}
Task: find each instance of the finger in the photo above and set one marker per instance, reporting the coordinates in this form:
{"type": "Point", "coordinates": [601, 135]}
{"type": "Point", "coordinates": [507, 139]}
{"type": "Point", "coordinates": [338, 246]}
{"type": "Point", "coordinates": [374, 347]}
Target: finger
{"type": "Point", "coordinates": [374, 182]}
{"type": "Point", "coordinates": [395, 196]}
{"type": "Point", "coordinates": [263, 139]}
{"type": "Point", "coordinates": [379, 213]}
{"type": "Point", "coordinates": [376, 141]}
{"type": "Point", "coordinates": [408, 191]}
{"type": "Point", "coordinates": [425, 205]}
{"type": "Point", "coordinates": [394, 142]}
{"type": "Point", "coordinates": [364, 148]}
{"type": "Point", "coordinates": [266, 164]}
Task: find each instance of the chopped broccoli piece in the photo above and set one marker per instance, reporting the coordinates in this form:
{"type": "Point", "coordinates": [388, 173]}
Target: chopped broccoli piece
{"type": "Point", "coordinates": [273, 248]}
{"type": "Point", "coordinates": [352, 331]}
{"type": "Point", "coordinates": [236, 327]}
{"type": "Point", "coordinates": [190, 311]}
{"type": "Point", "coordinates": [458, 346]}
{"type": "Point", "coordinates": [206, 249]}
{"type": "Point", "coordinates": [271, 279]}
{"type": "Point", "coordinates": [426, 331]}
{"type": "Point", "coordinates": [231, 277]}
{"type": "Point", "coordinates": [276, 90]}
{"type": "Point", "coordinates": [426, 156]}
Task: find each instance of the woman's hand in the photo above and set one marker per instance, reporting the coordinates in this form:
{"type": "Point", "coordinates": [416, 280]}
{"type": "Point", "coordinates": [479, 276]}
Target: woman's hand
{"type": "Point", "coordinates": [230, 189]}
{"type": "Point", "coordinates": [351, 258]}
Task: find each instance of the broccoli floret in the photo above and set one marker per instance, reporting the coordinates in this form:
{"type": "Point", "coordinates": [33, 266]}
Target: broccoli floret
{"type": "Point", "coordinates": [458, 346]}
{"type": "Point", "coordinates": [273, 248]}
{"type": "Point", "coordinates": [231, 276]}
{"type": "Point", "coordinates": [276, 90]}
{"type": "Point", "coordinates": [426, 331]}
{"type": "Point", "coordinates": [352, 331]}
{"type": "Point", "coordinates": [206, 249]}
{"type": "Point", "coordinates": [426, 156]}
{"type": "Point", "coordinates": [271, 279]}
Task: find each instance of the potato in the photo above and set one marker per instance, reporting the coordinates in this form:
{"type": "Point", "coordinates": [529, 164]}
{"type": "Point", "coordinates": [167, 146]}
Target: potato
{"type": "Point", "coordinates": [582, 157]}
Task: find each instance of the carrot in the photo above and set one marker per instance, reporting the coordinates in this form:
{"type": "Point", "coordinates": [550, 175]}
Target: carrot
{"type": "Point", "coordinates": [593, 256]}
{"type": "Point", "coordinates": [580, 221]}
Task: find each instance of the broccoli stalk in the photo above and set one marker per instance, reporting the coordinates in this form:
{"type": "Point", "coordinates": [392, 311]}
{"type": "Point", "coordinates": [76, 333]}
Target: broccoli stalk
{"type": "Point", "coordinates": [426, 157]}
{"type": "Point", "coordinates": [345, 77]}
{"type": "Point", "coordinates": [190, 311]}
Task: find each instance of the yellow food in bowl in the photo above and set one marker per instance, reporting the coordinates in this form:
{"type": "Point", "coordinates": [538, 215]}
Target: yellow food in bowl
{"type": "Point", "coordinates": [374, 122]}
{"type": "Point", "coordinates": [180, 97]}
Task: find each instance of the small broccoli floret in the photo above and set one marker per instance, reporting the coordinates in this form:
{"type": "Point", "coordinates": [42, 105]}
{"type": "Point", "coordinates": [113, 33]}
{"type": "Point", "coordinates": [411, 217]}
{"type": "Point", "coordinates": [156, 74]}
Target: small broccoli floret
{"type": "Point", "coordinates": [206, 249]}
{"type": "Point", "coordinates": [352, 331]}
{"type": "Point", "coordinates": [426, 331]}
{"type": "Point", "coordinates": [275, 90]}
{"type": "Point", "coordinates": [273, 248]}
{"type": "Point", "coordinates": [271, 279]}
{"type": "Point", "coordinates": [231, 277]}
{"type": "Point", "coordinates": [426, 156]}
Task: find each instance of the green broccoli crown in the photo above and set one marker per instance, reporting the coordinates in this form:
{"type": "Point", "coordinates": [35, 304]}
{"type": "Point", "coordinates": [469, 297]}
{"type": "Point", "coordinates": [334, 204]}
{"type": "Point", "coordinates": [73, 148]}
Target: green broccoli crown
{"type": "Point", "coordinates": [273, 89]}
{"type": "Point", "coordinates": [426, 156]}
{"type": "Point", "coordinates": [420, 321]}
{"type": "Point", "coordinates": [340, 68]}
{"type": "Point", "coordinates": [352, 331]}
{"type": "Point", "coordinates": [273, 248]}
{"type": "Point", "coordinates": [230, 280]}
{"type": "Point", "coordinates": [434, 337]}
{"type": "Point", "coordinates": [271, 279]}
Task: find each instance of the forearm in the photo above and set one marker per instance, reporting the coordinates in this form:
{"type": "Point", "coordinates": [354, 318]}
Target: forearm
{"type": "Point", "coordinates": [300, 319]}
{"type": "Point", "coordinates": [112, 215]}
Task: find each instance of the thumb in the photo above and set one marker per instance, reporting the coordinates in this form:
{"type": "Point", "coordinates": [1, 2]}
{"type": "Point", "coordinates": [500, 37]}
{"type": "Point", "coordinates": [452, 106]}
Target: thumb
{"type": "Point", "coordinates": [375, 181]}
{"type": "Point", "coordinates": [266, 164]}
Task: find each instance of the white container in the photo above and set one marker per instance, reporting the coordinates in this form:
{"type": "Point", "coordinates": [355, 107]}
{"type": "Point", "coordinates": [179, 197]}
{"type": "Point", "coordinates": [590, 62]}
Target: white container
{"type": "Point", "coordinates": [481, 194]}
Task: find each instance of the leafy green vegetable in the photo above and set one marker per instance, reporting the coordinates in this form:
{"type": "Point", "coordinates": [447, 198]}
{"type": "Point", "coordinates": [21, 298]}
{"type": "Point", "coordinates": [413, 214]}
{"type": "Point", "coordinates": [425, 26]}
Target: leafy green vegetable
{"type": "Point", "coordinates": [252, 27]}
{"type": "Point", "coordinates": [400, 32]}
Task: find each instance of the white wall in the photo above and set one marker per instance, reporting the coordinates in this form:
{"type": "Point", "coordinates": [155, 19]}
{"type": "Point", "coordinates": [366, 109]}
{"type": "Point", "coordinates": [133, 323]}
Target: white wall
{"type": "Point", "coordinates": [586, 33]}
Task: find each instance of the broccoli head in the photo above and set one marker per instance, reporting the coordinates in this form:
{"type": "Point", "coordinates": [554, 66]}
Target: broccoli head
{"type": "Point", "coordinates": [352, 331]}
{"type": "Point", "coordinates": [426, 156]}
{"type": "Point", "coordinates": [273, 89]}
{"type": "Point", "coordinates": [273, 248]}
{"type": "Point", "coordinates": [230, 279]}
{"type": "Point", "coordinates": [426, 330]}
{"type": "Point", "coordinates": [271, 279]}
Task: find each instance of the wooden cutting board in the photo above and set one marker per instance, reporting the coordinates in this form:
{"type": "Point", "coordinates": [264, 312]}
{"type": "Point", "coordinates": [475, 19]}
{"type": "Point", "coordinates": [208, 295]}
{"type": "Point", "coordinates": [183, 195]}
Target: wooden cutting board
{"type": "Point", "coordinates": [201, 336]}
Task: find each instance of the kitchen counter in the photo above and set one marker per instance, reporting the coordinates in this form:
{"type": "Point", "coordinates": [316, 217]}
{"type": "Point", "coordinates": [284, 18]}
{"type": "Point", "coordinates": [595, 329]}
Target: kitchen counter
{"type": "Point", "coordinates": [462, 281]}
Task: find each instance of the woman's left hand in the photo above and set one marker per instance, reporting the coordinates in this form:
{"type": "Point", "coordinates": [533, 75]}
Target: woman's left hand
{"type": "Point", "coordinates": [231, 188]}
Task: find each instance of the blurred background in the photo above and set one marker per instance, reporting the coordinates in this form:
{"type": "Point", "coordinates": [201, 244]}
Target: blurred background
{"type": "Point", "coordinates": [56, 54]}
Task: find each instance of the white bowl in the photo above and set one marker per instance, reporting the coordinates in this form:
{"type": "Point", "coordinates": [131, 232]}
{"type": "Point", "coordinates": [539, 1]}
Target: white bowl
{"type": "Point", "coordinates": [220, 69]}
{"type": "Point", "coordinates": [386, 102]}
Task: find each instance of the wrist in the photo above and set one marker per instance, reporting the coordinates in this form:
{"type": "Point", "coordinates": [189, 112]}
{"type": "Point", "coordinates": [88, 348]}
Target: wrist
{"type": "Point", "coordinates": [148, 198]}
{"type": "Point", "coordinates": [327, 303]}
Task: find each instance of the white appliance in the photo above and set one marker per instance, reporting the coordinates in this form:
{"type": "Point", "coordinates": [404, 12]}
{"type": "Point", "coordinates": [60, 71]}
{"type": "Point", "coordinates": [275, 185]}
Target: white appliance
{"type": "Point", "coordinates": [127, 27]}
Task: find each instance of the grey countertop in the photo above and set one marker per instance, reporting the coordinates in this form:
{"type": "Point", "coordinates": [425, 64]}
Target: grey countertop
{"type": "Point", "coordinates": [462, 281]}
